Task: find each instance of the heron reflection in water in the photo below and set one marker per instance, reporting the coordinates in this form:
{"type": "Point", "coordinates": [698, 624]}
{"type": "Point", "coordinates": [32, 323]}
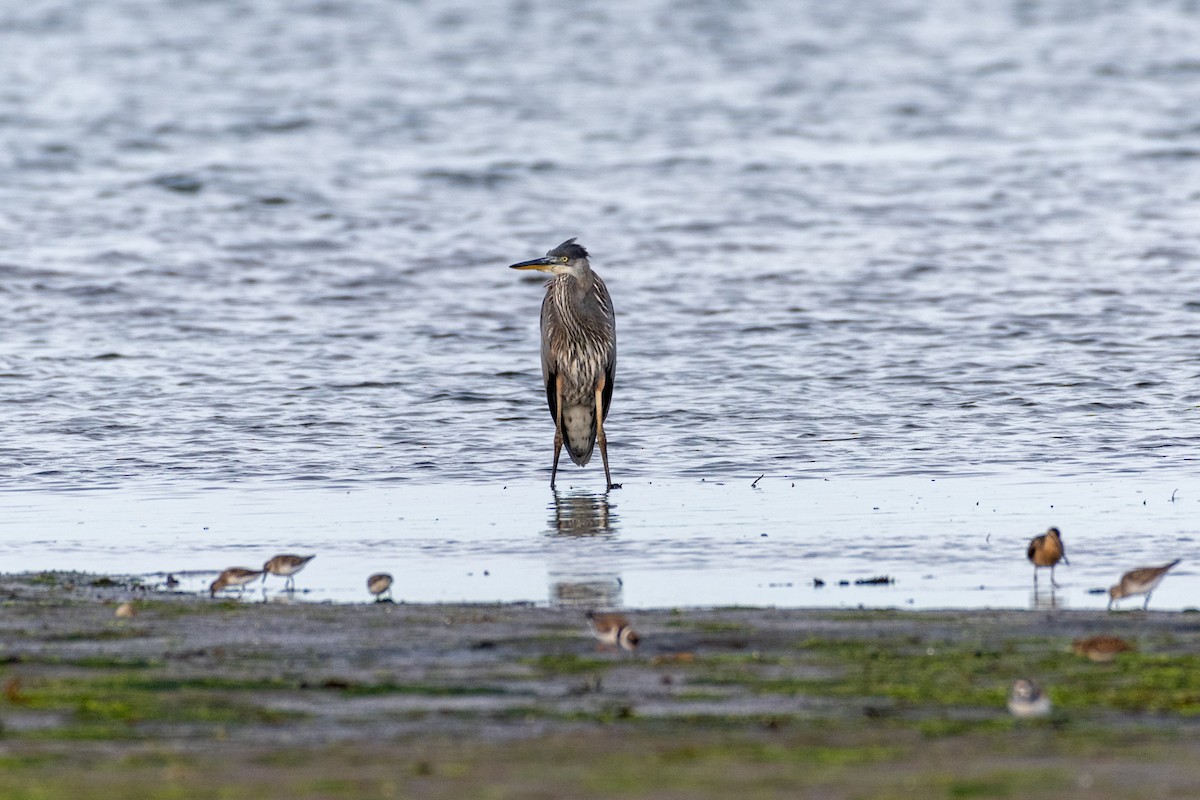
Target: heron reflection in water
{"type": "Point", "coordinates": [587, 575]}
{"type": "Point", "coordinates": [581, 514]}
{"type": "Point", "coordinates": [579, 353]}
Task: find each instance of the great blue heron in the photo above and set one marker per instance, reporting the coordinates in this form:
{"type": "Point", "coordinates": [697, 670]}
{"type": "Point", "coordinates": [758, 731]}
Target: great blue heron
{"type": "Point", "coordinates": [579, 353]}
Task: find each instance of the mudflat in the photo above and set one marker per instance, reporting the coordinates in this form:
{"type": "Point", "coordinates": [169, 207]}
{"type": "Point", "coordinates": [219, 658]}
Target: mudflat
{"type": "Point", "coordinates": [190, 697]}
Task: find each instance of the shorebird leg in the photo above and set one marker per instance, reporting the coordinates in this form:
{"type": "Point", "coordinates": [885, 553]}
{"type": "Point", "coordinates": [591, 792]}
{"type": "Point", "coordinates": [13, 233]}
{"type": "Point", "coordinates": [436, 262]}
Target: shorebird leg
{"type": "Point", "coordinates": [558, 437]}
{"type": "Point", "coordinates": [1146, 605]}
{"type": "Point", "coordinates": [1052, 583]}
{"type": "Point", "coordinates": [1035, 578]}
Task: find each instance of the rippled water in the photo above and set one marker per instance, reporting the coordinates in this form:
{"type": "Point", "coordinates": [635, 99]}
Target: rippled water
{"type": "Point", "coordinates": [266, 241]}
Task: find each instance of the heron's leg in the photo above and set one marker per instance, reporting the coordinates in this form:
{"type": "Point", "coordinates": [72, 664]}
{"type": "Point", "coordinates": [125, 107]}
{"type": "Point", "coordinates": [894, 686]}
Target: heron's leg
{"type": "Point", "coordinates": [601, 439]}
{"type": "Point", "coordinates": [558, 437]}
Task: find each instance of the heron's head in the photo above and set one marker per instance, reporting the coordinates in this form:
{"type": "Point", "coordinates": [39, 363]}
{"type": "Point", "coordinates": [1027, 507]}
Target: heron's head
{"type": "Point", "coordinates": [568, 258]}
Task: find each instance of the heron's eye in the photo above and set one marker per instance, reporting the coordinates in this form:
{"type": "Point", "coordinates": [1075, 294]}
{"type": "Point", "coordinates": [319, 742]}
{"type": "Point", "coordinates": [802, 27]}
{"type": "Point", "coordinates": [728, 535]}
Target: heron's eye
{"type": "Point", "coordinates": [563, 259]}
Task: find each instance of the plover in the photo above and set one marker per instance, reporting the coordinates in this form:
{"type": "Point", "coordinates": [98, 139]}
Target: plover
{"type": "Point", "coordinates": [379, 584]}
{"type": "Point", "coordinates": [234, 576]}
{"type": "Point", "coordinates": [1046, 551]}
{"type": "Point", "coordinates": [1026, 699]}
{"type": "Point", "coordinates": [1143, 580]}
{"type": "Point", "coordinates": [286, 566]}
{"type": "Point", "coordinates": [613, 629]}
{"type": "Point", "coordinates": [1101, 649]}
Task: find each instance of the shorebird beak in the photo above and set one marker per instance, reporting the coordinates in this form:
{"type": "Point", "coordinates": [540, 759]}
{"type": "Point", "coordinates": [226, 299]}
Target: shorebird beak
{"type": "Point", "coordinates": [543, 264]}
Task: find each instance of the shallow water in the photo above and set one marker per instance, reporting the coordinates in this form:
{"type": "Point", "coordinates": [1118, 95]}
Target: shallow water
{"type": "Point", "coordinates": [266, 243]}
{"type": "Point", "coordinates": [943, 543]}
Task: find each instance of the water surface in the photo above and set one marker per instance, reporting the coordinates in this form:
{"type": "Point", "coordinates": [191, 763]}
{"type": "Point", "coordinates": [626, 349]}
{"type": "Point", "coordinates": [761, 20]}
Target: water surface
{"type": "Point", "coordinates": [264, 244]}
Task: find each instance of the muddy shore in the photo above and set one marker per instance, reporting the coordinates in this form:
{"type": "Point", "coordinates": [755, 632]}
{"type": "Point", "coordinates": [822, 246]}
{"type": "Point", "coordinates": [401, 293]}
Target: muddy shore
{"type": "Point", "coordinates": [194, 697]}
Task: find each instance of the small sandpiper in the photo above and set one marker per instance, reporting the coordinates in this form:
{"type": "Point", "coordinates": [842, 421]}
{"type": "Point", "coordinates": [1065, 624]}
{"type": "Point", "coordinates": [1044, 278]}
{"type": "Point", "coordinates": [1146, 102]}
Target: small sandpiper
{"type": "Point", "coordinates": [234, 576]}
{"type": "Point", "coordinates": [286, 566]}
{"type": "Point", "coordinates": [1101, 649]}
{"type": "Point", "coordinates": [613, 629]}
{"type": "Point", "coordinates": [1046, 551]}
{"type": "Point", "coordinates": [1026, 699]}
{"type": "Point", "coordinates": [379, 584]}
{"type": "Point", "coordinates": [1143, 580]}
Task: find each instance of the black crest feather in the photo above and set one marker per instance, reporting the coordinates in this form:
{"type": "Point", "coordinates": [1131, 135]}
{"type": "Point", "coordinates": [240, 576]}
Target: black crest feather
{"type": "Point", "coordinates": [569, 249]}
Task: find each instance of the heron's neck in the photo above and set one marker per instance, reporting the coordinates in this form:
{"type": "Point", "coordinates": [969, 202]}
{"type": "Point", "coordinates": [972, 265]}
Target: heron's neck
{"type": "Point", "coordinates": [578, 279]}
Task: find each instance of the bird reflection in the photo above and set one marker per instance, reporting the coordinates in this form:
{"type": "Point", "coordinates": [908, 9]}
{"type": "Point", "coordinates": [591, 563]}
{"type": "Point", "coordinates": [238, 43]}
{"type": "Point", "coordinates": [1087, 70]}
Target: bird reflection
{"type": "Point", "coordinates": [602, 593]}
{"type": "Point", "coordinates": [581, 514]}
{"type": "Point", "coordinates": [587, 576]}
{"type": "Point", "coordinates": [1044, 600]}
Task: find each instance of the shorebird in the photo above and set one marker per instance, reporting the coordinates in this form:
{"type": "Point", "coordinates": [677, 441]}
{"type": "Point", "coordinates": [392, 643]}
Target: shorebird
{"type": "Point", "coordinates": [613, 629]}
{"type": "Point", "coordinates": [234, 576]}
{"type": "Point", "coordinates": [379, 584]}
{"type": "Point", "coordinates": [1142, 580]}
{"type": "Point", "coordinates": [1026, 699]}
{"type": "Point", "coordinates": [1101, 649]}
{"type": "Point", "coordinates": [286, 566]}
{"type": "Point", "coordinates": [1046, 551]}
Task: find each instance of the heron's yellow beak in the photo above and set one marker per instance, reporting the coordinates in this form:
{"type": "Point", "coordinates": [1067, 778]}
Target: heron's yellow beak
{"type": "Point", "coordinates": [542, 264]}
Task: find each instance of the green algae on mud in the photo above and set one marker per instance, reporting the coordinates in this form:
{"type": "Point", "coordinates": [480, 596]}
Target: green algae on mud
{"type": "Point", "coordinates": [717, 701]}
{"type": "Point", "coordinates": [614, 761]}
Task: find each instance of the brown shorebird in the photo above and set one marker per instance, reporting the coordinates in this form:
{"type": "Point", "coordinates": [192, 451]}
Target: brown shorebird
{"type": "Point", "coordinates": [1046, 551]}
{"type": "Point", "coordinates": [286, 566]}
{"type": "Point", "coordinates": [234, 576]}
{"type": "Point", "coordinates": [1101, 649]}
{"type": "Point", "coordinates": [613, 629]}
{"type": "Point", "coordinates": [1143, 580]}
{"type": "Point", "coordinates": [379, 584]}
{"type": "Point", "coordinates": [1026, 699]}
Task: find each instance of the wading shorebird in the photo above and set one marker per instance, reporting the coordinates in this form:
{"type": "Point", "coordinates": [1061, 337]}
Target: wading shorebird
{"type": "Point", "coordinates": [379, 584]}
{"type": "Point", "coordinates": [613, 629]}
{"type": "Point", "coordinates": [1046, 551]}
{"type": "Point", "coordinates": [1101, 649]}
{"type": "Point", "coordinates": [286, 566]}
{"type": "Point", "coordinates": [234, 576]}
{"type": "Point", "coordinates": [1143, 580]}
{"type": "Point", "coordinates": [579, 353]}
{"type": "Point", "coordinates": [1026, 699]}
